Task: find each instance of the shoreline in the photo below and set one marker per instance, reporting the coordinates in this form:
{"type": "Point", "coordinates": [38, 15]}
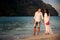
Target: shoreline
{"type": "Point", "coordinates": [43, 37]}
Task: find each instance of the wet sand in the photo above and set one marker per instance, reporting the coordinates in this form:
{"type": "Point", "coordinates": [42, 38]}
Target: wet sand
{"type": "Point", "coordinates": [43, 37]}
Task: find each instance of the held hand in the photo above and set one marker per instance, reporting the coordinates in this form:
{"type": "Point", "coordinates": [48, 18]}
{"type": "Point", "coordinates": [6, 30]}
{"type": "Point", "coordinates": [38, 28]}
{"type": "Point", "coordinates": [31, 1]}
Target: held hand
{"type": "Point", "coordinates": [43, 21]}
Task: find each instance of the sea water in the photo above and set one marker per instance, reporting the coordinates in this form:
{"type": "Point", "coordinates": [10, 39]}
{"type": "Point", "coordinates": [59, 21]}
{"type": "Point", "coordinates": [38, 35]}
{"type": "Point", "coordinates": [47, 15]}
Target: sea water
{"type": "Point", "coordinates": [13, 28]}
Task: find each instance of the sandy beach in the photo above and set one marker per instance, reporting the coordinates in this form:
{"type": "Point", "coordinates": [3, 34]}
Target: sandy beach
{"type": "Point", "coordinates": [43, 37]}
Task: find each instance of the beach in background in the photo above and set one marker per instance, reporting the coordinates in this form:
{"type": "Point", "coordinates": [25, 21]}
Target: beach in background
{"type": "Point", "coordinates": [15, 28]}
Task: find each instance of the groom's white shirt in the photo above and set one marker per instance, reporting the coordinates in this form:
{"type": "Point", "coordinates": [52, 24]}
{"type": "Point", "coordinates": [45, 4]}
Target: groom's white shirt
{"type": "Point", "coordinates": [37, 16]}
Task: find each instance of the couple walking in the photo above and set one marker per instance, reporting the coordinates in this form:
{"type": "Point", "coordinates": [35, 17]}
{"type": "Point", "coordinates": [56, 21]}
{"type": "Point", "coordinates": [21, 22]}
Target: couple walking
{"type": "Point", "coordinates": [45, 20]}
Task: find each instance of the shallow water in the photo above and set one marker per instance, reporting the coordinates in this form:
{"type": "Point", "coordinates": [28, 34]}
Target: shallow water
{"type": "Point", "coordinates": [18, 27]}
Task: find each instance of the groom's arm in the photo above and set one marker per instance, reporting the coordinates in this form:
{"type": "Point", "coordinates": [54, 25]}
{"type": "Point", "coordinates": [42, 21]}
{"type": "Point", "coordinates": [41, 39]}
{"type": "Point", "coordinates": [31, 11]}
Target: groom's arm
{"type": "Point", "coordinates": [42, 18]}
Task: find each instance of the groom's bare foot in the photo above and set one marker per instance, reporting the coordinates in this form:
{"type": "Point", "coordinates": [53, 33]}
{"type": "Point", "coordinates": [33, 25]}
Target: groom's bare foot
{"type": "Point", "coordinates": [34, 34]}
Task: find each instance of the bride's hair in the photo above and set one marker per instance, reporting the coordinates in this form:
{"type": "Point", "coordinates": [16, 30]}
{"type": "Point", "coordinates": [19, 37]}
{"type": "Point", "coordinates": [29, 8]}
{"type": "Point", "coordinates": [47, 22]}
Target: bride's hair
{"type": "Point", "coordinates": [47, 11]}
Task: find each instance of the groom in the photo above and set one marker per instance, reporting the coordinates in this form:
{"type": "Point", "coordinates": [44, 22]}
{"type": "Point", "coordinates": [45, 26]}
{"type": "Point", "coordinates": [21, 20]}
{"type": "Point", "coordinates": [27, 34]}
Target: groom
{"type": "Point", "coordinates": [37, 16]}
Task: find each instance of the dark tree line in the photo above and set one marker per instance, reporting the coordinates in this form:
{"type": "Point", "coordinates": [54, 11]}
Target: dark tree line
{"type": "Point", "coordinates": [23, 7]}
